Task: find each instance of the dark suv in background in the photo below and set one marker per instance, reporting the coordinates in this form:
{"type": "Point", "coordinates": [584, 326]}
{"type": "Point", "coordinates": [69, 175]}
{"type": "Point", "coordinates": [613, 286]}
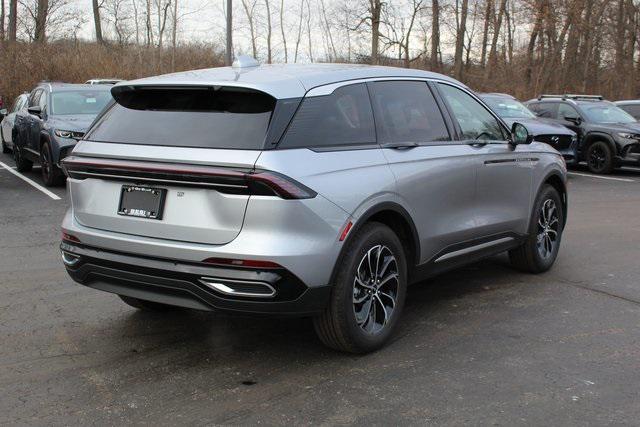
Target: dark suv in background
{"type": "Point", "coordinates": [544, 130]}
{"type": "Point", "coordinates": [608, 137]}
{"type": "Point", "coordinates": [57, 116]}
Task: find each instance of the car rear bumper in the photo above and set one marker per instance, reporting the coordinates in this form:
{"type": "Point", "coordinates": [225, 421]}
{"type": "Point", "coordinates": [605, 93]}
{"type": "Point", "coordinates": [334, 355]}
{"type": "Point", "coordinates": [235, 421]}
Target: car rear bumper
{"type": "Point", "coordinates": [190, 284]}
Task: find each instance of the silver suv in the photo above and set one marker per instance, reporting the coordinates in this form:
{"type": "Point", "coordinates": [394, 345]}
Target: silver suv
{"type": "Point", "coordinates": [303, 190]}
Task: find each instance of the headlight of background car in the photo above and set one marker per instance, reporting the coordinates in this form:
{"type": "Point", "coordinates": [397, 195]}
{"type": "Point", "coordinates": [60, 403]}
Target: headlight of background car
{"type": "Point", "coordinates": [68, 134]}
{"type": "Point", "coordinates": [626, 135]}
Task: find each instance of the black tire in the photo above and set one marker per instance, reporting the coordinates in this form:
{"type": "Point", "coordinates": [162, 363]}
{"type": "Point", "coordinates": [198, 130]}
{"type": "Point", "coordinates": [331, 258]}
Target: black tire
{"type": "Point", "coordinates": [338, 326]}
{"type": "Point", "coordinates": [5, 149]}
{"type": "Point", "coordinates": [141, 304]}
{"type": "Point", "coordinates": [52, 176]}
{"type": "Point", "coordinates": [540, 250]}
{"type": "Point", "coordinates": [600, 158]}
{"type": "Point", "coordinates": [22, 164]}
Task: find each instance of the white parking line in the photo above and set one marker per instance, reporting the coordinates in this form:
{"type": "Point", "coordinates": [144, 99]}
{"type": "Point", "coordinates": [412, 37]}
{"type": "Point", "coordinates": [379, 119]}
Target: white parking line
{"type": "Point", "coordinates": [30, 182]}
{"type": "Point", "coordinates": [601, 177]}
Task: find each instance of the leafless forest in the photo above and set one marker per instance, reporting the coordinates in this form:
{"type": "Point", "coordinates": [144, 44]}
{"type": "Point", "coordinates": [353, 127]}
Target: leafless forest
{"type": "Point", "coordinates": [523, 47]}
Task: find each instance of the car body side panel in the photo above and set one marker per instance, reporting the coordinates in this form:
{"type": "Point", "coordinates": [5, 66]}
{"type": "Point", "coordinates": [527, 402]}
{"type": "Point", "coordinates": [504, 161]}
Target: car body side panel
{"type": "Point", "coordinates": [352, 179]}
{"type": "Point", "coordinates": [436, 184]}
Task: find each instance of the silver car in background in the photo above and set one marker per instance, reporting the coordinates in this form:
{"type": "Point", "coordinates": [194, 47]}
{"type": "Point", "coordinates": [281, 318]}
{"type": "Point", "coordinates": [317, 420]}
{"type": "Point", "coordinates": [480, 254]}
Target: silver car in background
{"type": "Point", "coordinates": [6, 126]}
{"type": "Point", "coordinates": [303, 190]}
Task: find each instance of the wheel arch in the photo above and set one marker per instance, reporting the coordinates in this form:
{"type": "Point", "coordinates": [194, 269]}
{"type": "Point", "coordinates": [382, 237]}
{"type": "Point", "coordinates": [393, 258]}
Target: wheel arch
{"type": "Point", "coordinates": [393, 216]}
{"type": "Point", "coordinates": [556, 180]}
{"type": "Point", "coordinates": [592, 137]}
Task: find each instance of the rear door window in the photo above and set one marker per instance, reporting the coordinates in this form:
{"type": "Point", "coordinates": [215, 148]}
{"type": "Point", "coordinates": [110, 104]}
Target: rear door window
{"type": "Point", "coordinates": [203, 117]}
{"type": "Point", "coordinates": [408, 112]}
{"type": "Point", "coordinates": [343, 118]}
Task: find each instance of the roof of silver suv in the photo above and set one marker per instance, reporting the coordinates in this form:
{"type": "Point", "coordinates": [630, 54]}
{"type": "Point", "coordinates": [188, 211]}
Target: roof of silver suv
{"type": "Point", "coordinates": [282, 80]}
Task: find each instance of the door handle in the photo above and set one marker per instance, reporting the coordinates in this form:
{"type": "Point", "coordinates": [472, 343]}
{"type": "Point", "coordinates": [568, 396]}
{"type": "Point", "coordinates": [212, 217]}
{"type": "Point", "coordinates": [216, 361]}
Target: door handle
{"type": "Point", "coordinates": [400, 145]}
{"type": "Point", "coordinates": [478, 144]}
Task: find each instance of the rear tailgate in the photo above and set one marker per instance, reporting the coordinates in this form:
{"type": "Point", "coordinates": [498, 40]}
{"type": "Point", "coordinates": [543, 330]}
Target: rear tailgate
{"type": "Point", "coordinates": [190, 213]}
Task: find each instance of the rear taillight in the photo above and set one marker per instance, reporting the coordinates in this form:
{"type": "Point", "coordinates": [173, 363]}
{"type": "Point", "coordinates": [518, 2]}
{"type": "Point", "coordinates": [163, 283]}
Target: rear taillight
{"type": "Point", "coordinates": [66, 237]}
{"type": "Point", "coordinates": [225, 180]}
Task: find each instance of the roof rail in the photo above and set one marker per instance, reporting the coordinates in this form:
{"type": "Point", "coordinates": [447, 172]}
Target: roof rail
{"type": "Point", "coordinates": [573, 96]}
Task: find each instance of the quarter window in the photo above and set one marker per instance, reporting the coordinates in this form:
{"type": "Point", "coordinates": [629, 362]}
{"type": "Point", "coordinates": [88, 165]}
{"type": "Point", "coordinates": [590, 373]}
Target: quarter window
{"type": "Point", "coordinates": [342, 118]}
{"type": "Point", "coordinates": [408, 112]}
{"type": "Point", "coordinates": [475, 121]}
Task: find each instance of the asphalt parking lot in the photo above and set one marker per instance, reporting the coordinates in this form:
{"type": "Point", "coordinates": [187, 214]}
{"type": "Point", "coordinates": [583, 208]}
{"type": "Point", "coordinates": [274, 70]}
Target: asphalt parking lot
{"type": "Point", "coordinates": [482, 345]}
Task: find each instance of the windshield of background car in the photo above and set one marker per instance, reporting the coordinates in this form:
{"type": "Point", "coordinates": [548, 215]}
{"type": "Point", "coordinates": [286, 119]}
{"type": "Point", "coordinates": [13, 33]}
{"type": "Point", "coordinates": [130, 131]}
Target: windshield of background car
{"type": "Point", "coordinates": [78, 102]}
{"type": "Point", "coordinates": [190, 116]}
{"type": "Point", "coordinates": [509, 108]}
{"type": "Point", "coordinates": [606, 113]}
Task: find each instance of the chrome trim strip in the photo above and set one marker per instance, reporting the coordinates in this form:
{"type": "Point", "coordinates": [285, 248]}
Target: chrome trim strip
{"type": "Point", "coordinates": [70, 259]}
{"type": "Point", "coordinates": [475, 248]}
{"type": "Point", "coordinates": [217, 285]}
{"type": "Point", "coordinates": [169, 181]}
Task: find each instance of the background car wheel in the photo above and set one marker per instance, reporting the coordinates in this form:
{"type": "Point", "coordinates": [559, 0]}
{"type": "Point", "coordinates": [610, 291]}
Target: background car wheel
{"type": "Point", "coordinates": [5, 149]}
{"type": "Point", "coordinates": [368, 292]}
{"type": "Point", "coordinates": [540, 250]}
{"type": "Point", "coordinates": [51, 174]}
{"type": "Point", "coordinates": [600, 158]}
{"type": "Point", "coordinates": [147, 305]}
{"type": "Point", "coordinates": [22, 164]}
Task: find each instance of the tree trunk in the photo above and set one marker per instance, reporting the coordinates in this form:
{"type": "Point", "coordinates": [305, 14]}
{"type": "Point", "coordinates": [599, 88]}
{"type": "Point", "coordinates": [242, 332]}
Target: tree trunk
{"type": "Point", "coordinates": [13, 19]}
{"type": "Point", "coordinates": [299, 37]}
{"type": "Point", "coordinates": [269, 52]}
{"type": "Point", "coordinates": [462, 29]}
{"type": "Point", "coordinates": [96, 21]}
{"type": "Point", "coordinates": [435, 35]}
{"type": "Point", "coordinates": [174, 35]}
{"type": "Point", "coordinates": [249, 12]}
{"type": "Point", "coordinates": [493, 53]}
{"type": "Point", "coordinates": [485, 33]}
{"type": "Point", "coordinates": [375, 10]}
{"type": "Point", "coordinates": [284, 37]}
{"type": "Point", "coordinates": [1, 20]}
{"type": "Point", "coordinates": [537, 27]}
{"type": "Point", "coordinates": [40, 33]}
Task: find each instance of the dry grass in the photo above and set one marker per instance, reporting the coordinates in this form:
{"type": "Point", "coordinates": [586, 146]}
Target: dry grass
{"type": "Point", "coordinates": [22, 65]}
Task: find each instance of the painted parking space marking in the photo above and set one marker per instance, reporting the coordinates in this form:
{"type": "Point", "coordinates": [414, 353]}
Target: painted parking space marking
{"type": "Point", "coordinates": [30, 182]}
{"type": "Point", "coordinates": [610, 178]}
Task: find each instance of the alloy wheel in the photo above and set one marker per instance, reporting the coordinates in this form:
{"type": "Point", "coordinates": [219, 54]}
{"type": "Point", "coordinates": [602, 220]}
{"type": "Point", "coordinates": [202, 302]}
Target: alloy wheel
{"type": "Point", "coordinates": [597, 158]}
{"type": "Point", "coordinates": [548, 229]}
{"type": "Point", "coordinates": [375, 289]}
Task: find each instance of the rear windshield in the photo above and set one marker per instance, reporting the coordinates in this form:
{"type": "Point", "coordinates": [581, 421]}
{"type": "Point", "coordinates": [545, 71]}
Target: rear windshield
{"type": "Point", "coordinates": [204, 117]}
{"type": "Point", "coordinates": [78, 102]}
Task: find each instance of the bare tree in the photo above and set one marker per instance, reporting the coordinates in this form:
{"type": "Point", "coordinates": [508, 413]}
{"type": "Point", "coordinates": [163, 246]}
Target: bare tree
{"type": "Point", "coordinates": [461, 25]}
{"type": "Point", "coordinates": [435, 35]}
{"type": "Point", "coordinates": [1, 20]}
{"type": "Point", "coordinates": [249, 7]}
{"type": "Point", "coordinates": [96, 20]}
{"type": "Point", "coordinates": [42, 10]}
{"type": "Point", "coordinates": [269, 51]}
{"type": "Point", "coordinates": [375, 10]}
{"type": "Point", "coordinates": [299, 36]}
{"type": "Point", "coordinates": [284, 36]}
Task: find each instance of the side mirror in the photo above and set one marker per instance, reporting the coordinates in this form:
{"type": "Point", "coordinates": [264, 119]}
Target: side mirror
{"type": "Point", "coordinates": [520, 134]}
{"type": "Point", "coordinates": [574, 120]}
{"type": "Point", "coordinates": [35, 110]}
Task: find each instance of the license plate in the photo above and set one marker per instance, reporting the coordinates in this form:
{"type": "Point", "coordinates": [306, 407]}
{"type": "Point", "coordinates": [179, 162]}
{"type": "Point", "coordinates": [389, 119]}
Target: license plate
{"type": "Point", "coordinates": [142, 202]}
